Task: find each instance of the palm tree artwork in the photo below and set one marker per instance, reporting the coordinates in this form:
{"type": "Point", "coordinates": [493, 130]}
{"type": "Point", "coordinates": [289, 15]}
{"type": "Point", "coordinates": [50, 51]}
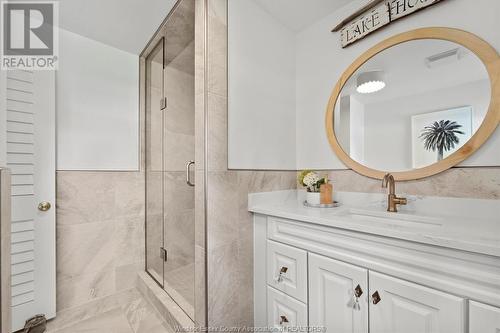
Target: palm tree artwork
{"type": "Point", "coordinates": [442, 136]}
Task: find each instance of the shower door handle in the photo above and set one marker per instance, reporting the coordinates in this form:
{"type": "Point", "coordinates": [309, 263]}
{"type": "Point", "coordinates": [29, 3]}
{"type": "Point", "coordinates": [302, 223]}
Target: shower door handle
{"type": "Point", "coordinates": [188, 174]}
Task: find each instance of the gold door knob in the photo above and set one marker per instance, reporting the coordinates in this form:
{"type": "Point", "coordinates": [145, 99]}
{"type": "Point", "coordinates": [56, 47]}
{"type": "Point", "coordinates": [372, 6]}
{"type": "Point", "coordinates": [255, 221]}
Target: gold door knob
{"type": "Point", "coordinates": [44, 206]}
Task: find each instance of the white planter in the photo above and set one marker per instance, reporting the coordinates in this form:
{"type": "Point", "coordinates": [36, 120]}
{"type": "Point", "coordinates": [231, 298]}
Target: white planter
{"type": "Point", "coordinates": [313, 198]}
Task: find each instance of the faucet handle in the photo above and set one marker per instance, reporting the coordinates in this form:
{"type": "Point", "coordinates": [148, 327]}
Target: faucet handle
{"type": "Point", "coordinates": [400, 201]}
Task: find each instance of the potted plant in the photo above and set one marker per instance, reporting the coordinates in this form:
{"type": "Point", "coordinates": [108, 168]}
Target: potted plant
{"type": "Point", "coordinates": [312, 182]}
{"type": "Point", "coordinates": [441, 136]}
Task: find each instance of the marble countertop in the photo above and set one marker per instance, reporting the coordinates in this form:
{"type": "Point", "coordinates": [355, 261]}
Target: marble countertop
{"type": "Point", "coordinates": [465, 224]}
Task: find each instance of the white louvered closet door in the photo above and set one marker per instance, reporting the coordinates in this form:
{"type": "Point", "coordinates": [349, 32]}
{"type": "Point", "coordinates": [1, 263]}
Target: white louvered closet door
{"type": "Point", "coordinates": [30, 148]}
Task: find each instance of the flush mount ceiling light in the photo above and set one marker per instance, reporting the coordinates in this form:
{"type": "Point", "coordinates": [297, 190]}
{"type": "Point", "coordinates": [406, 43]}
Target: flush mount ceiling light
{"type": "Point", "coordinates": [370, 82]}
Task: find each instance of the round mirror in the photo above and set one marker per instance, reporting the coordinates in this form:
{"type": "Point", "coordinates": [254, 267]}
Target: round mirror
{"type": "Point", "coordinates": [416, 104]}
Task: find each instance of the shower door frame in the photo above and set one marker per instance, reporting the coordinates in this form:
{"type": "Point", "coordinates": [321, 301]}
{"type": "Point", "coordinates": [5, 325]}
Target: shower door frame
{"type": "Point", "coordinates": [145, 104]}
{"type": "Point", "coordinates": [151, 46]}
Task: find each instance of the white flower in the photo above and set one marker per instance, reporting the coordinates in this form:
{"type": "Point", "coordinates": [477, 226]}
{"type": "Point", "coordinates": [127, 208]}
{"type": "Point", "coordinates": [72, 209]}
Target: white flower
{"type": "Point", "coordinates": [310, 179]}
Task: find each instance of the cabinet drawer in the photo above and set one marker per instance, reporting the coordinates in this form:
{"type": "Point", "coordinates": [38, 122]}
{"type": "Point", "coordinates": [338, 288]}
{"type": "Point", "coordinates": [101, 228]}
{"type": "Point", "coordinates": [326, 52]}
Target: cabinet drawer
{"type": "Point", "coordinates": [400, 306]}
{"type": "Point", "coordinates": [284, 311]}
{"type": "Point", "coordinates": [483, 318]}
{"type": "Point", "coordinates": [287, 270]}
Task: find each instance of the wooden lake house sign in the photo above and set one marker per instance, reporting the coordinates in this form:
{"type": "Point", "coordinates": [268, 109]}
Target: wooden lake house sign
{"type": "Point", "coordinates": [375, 15]}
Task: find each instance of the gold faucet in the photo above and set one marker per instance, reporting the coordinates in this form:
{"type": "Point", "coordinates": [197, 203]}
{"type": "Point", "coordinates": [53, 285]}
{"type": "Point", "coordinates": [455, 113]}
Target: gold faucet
{"type": "Point", "coordinates": [392, 199]}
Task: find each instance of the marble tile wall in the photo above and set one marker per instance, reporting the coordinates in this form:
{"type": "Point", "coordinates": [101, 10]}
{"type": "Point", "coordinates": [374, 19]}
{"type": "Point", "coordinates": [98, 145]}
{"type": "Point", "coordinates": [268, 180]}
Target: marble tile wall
{"type": "Point", "coordinates": [100, 235]}
{"type": "Point", "coordinates": [199, 194]}
{"type": "Point", "coordinates": [229, 245]}
{"type": "Point", "coordinates": [230, 241]}
{"type": "Point", "coordinates": [179, 149]}
{"type": "Point", "coordinates": [478, 183]}
{"type": "Point", "coordinates": [179, 205]}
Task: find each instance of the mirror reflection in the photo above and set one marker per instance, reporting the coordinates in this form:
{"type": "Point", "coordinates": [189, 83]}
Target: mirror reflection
{"type": "Point", "coordinates": [412, 105]}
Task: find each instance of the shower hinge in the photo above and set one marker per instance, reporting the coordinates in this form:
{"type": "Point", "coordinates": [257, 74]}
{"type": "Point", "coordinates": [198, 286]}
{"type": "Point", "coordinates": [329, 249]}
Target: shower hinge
{"type": "Point", "coordinates": [163, 103]}
{"type": "Point", "coordinates": [163, 254]}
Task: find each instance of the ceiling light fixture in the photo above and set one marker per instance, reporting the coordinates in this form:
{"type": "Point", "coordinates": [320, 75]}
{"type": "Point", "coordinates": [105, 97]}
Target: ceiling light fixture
{"type": "Point", "coordinates": [370, 82]}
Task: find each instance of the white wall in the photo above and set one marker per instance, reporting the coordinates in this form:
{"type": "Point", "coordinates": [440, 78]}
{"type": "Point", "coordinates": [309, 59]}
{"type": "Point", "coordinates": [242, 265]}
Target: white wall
{"type": "Point", "coordinates": [343, 122]}
{"type": "Point", "coordinates": [97, 88]}
{"type": "Point", "coordinates": [357, 132]}
{"type": "Point", "coordinates": [321, 61]}
{"type": "Point", "coordinates": [385, 121]}
{"type": "Point", "coordinates": [261, 103]}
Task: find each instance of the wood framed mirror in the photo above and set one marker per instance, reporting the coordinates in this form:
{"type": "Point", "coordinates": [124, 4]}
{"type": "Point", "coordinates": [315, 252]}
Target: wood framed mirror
{"type": "Point", "coordinates": [415, 104]}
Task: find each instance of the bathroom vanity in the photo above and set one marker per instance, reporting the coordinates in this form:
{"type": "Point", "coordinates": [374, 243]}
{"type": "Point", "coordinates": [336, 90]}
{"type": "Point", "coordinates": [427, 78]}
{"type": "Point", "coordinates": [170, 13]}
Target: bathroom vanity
{"type": "Point", "coordinates": [410, 107]}
{"type": "Point", "coordinates": [432, 267]}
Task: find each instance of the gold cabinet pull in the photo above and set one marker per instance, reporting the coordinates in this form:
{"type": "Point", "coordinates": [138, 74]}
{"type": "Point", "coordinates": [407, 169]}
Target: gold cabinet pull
{"type": "Point", "coordinates": [376, 298]}
{"type": "Point", "coordinates": [44, 206]}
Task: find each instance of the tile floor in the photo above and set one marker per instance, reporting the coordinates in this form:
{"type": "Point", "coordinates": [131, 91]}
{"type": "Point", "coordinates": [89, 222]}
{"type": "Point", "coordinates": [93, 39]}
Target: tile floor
{"type": "Point", "coordinates": [135, 315]}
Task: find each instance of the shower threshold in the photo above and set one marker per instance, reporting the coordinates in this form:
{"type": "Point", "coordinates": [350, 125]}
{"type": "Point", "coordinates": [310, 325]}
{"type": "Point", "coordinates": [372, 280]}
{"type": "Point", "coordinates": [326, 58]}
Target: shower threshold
{"type": "Point", "coordinates": [171, 312]}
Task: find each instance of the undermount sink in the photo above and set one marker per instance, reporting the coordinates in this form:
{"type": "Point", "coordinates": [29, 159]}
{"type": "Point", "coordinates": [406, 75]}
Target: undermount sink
{"type": "Point", "coordinates": [392, 218]}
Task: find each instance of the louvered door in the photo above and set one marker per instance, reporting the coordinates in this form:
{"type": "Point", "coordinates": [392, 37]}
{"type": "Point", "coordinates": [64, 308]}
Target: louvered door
{"type": "Point", "coordinates": [30, 154]}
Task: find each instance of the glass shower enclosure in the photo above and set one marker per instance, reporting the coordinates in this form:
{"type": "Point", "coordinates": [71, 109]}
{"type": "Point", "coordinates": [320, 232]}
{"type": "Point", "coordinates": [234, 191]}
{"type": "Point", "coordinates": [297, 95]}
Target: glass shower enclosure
{"type": "Point", "coordinates": [169, 156]}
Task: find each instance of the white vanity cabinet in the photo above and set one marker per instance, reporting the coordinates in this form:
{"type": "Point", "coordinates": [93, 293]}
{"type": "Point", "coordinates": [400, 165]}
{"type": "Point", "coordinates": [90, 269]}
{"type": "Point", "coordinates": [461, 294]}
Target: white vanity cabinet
{"type": "Point", "coordinates": [483, 318]}
{"type": "Point", "coordinates": [287, 270]}
{"type": "Point", "coordinates": [284, 311]}
{"type": "Point", "coordinates": [349, 281]}
{"type": "Point", "coordinates": [403, 306]}
{"type": "Point", "coordinates": [332, 295]}
{"type": "Point", "coordinates": [391, 304]}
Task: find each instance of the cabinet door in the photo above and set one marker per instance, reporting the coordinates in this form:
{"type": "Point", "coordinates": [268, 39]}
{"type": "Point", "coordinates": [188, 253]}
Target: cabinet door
{"type": "Point", "coordinates": [285, 311]}
{"type": "Point", "coordinates": [401, 306]}
{"type": "Point", "coordinates": [332, 298]}
{"type": "Point", "coordinates": [483, 318]}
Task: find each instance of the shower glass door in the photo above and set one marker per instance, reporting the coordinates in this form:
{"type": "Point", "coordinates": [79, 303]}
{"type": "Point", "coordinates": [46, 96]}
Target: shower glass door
{"type": "Point", "coordinates": [154, 162]}
{"type": "Point", "coordinates": [178, 144]}
{"type": "Point", "coordinates": [170, 142]}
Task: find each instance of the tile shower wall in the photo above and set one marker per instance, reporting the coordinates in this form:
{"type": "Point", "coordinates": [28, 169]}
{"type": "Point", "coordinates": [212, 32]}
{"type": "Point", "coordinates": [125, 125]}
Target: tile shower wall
{"type": "Point", "coordinates": [179, 206]}
{"type": "Point", "coordinates": [100, 235]}
{"type": "Point", "coordinates": [199, 190]}
{"type": "Point", "coordinates": [179, 149]}
{"type": "Point", "coordinates": [229, 225]}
